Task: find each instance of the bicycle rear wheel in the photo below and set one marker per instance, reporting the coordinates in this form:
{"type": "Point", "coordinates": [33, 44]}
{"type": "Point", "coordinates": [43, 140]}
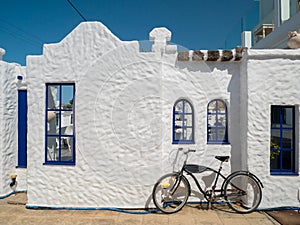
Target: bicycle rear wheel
{"type": "Point", "coordinates": [242, 193]}
{"type": "Point", "coordinates": [170, 193]}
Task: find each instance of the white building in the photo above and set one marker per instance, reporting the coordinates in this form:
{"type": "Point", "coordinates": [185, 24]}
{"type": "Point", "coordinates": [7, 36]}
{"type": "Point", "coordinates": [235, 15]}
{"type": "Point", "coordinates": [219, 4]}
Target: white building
{"type": "Point", "coordinates": [127, 121]}
{"type": "Point", "coordinates": [276, 19]}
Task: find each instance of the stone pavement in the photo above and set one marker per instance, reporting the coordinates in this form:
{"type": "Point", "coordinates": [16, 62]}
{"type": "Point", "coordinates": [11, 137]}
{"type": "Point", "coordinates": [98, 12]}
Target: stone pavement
{"type": "Point", "coordinates": [13, 212]}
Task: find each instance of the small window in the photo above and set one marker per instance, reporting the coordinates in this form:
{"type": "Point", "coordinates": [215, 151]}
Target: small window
{"type": "Point", "coordinates": [59, 126]}
{"type": "Point", "coordinates": [217, 132]}
{"type": "Point", "coordinates": [183, 122]}
{"type": "Point", "coordinates": [282, 143]}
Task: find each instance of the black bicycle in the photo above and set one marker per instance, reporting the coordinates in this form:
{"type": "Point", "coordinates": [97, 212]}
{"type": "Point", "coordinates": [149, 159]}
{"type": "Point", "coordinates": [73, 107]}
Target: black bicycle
{"type": "Point", "coordinates": [241, 190]}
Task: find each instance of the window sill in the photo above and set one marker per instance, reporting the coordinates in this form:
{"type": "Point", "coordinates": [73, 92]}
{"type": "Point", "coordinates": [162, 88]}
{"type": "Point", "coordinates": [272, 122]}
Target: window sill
{"type": "Point", "coordinates": [183, 142]}
{"type": "Point", "coordinates": [60, 163]}
{"type": "Point", "coordinates": [284, 174]}
{"type": "Point", "coordinates": [217, 143]}
{"type": "Point", "coordinates": [21, 167]}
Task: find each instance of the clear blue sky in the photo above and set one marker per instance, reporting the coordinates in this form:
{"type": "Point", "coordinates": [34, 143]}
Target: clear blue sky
{"type": "Point", "coordinates": [195, 24]}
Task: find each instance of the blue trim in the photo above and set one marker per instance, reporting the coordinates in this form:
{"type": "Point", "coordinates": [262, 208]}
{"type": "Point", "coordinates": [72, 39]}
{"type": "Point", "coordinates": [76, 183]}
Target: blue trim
{"type": "Point", "coordinates": [61, 163]}
{"type": "Point", "coordinates": [11, 193]}
{"type": "Point", "coordinates": [147, 211]}
{"type": "Point", "coordinates": [22, 129]}
{"type": "Point", "coordinates": [218, 143]}
{"type": "Point", "coordinates": [278, 173]}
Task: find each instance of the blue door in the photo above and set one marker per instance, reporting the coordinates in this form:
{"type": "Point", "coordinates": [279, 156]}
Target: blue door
{"type": "Point", "coordinates": [22, 128]}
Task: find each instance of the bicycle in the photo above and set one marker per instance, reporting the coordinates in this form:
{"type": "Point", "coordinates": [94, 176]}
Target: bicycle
{"type": "Point", "coordinates": [241, 190]}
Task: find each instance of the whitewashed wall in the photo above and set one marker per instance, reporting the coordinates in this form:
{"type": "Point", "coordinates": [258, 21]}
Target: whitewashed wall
{"type": "Point", "coordinates": [272, 79]}
{"type": "Point", "coordinates": [8, 131]}
{"type": "Point", "coordinates": [124, 101]}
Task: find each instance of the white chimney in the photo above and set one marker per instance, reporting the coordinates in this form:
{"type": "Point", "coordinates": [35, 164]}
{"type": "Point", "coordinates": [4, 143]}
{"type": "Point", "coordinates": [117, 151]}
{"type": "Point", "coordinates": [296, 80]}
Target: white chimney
{"type": "Point", "coordinates": [2, 52]}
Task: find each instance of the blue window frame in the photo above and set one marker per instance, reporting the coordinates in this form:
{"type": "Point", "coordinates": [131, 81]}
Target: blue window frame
{"type": "Point", "coordinates": [282, 143]}
{"type": "Point", "coordinates": [217, 129]}
{"type": "Point", "coordinates": [59, 124]}
{"type": "Point", "coordinates": [183, 122]}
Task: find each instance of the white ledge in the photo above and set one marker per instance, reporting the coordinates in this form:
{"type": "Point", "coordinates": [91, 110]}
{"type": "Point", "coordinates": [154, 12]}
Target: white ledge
{"type": "Point", "coordinates": [259, 53]}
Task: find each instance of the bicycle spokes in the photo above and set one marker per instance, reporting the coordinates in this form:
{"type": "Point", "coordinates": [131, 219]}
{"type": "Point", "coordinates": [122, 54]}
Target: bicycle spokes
{"type": "Point", "coordinates": [243, 193]}
{"type": "Point", "coordinates": [170, 193]}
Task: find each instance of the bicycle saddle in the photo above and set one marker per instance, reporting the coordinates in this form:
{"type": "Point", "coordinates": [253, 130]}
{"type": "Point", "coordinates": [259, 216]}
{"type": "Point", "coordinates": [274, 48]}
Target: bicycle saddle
{"type": "Point", "coordinates": [222, 158]}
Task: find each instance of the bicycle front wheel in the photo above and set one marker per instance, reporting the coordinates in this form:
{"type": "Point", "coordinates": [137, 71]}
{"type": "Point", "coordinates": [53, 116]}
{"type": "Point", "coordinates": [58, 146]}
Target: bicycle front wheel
{"type": "Point", "coordinates": [242, 193]}
{"type": "Point", "coordinates": [171, 192]}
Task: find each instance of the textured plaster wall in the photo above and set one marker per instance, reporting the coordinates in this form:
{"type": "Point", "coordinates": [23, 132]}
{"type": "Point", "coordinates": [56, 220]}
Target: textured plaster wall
{"type": "Point", "coordinates": [123, 122]}
{"type": "Point", "coordinates": [273, 79]}
{"type": "Point", "coordinates": [8, 124]}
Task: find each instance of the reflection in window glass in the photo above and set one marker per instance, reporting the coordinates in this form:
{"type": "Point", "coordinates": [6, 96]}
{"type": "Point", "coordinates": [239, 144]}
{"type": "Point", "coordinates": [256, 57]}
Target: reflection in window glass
{"type": "Point", "coordinates": [217, 122]}
{"type": "Point", "coordinates": [183, 120]}
{"type": "Point", "coordinates": [60, 136]}
{"type": "Point", "coordinates": [282, 143]}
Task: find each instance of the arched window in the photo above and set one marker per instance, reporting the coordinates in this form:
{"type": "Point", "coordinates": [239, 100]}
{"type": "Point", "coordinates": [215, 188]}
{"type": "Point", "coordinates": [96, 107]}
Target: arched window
{"type": "Point", "coordinates": [183, 122]}
{"type": "Point", "coordinates": [217, 122]}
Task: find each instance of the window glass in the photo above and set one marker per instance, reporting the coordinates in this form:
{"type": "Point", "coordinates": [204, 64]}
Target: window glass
{"type": "Point", "coordinates": [217, 122]}
{"type": "Point", "coordinates": [282, 143]}
{"type": "Point", "coordinates": [183, 122]}
{"type": "Point", "coordinates": [60, 135]}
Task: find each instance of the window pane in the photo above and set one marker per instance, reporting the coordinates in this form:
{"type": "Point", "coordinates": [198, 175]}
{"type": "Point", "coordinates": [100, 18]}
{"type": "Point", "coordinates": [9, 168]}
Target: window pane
{"type": "Point", "coordinates": [66, 118]}
{"type": "Point", "coordinates": [67, 130]}
{"type": "Point", "coordinates": [221, 134]}
{"type": "Point", "coordinates": [212, 106]}
{"type": "Point", "coordinates": [212, 134]}
{"type": "Point", "coordinates": [275, 116]}
{"type": "Point", "coordinates": [212, 120]}
{"type": "Point", "coordinates": [287, 160]}
{"type": "Point", "coordinates": [188, 120]}
{"type": "Point", "coordinates": [221, 107]}
{"type": "Point", "coordinates": [287, 139]}
{"type": "Point", "coordinates": [53, 122]}
{"type": "Point", "coordinates": [275, 138]}
{"type": "Point", "coordinates": [52, 149]}
{"type": "Point", "coordinates": [67, 149]}
{"type": "Point", "coordinates": [179, 107]}
{"type": "Point", "coordinates": [287, 118]}
{"type": "Point", "coordinates": [188, 134]}
{"type": "Point", "coordinates": [67, 96]}
{"type": "Point", "coordinates": [53, 96]}
{"type": "Point", "coordinates": [222, 120]}
{"type": "Point", "coordinates": [187, 107]}
{"type": "Point", "coordinates": [178, 134]}
{"type": "Point", "coordinates": [275, 160]}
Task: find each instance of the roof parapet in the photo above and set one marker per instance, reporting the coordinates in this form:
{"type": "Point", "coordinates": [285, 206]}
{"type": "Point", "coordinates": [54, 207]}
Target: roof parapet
{"type": "Point", "coordinates": [212, 55]}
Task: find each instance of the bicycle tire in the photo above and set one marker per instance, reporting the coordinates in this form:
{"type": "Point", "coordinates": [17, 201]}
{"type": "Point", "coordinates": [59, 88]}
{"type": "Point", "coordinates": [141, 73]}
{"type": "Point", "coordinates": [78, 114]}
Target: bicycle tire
{"type": "Point", "coordinates": [171, 192]}
{"type": "Point", "coordinates": [242, 193]}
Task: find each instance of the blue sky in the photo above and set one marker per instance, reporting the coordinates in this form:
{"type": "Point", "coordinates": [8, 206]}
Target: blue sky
{"type": "Point", "coordinates": [195, 24]}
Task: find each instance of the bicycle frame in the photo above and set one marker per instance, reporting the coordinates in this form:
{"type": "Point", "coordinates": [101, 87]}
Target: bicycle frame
{"type": "Point", "coordinates": [209, 193]}
{"type": "Point", "coordinates": [190, 169]}
{"type": "Point", "coordinates": [187, 168]}
{"type": "Point", "coordinates": [241, 190]}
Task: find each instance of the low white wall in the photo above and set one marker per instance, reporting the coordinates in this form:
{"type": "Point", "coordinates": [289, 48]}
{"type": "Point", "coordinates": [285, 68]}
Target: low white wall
{"type": "Point", "coordinates": [124, 102]}
{"type": "Point", "coordinates": [273, 79]}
